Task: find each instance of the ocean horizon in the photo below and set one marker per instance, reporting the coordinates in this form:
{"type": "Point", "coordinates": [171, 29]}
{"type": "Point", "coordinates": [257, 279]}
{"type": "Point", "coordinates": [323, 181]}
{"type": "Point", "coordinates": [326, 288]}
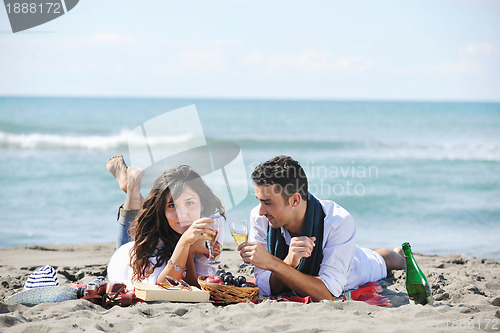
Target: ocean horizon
{"type": "Point", "coordinates": [423, 172]}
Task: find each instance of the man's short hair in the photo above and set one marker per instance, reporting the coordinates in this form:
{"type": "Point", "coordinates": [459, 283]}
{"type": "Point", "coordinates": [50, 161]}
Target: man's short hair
{"type": "Point", "coordinates": [285, 172]}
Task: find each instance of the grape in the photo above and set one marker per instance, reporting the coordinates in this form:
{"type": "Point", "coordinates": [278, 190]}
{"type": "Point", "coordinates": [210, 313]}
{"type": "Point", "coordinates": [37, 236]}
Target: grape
{"type": "Point", "coordinates": [241, 279]}
{"type": "Point", "coordinates": [233, 281]}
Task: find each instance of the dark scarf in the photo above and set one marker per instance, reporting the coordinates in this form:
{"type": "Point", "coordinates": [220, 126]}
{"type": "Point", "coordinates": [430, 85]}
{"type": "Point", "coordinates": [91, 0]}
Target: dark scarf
{"type": "Point", "coordinates": [314, 221]}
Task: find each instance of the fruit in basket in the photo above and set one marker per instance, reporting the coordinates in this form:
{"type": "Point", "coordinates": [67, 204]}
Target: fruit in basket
{"type": "Point", "coordinates": [231, 280]}
{"type": "Point", "coordinates": [214, 279]}
{"type": "Point", "coordinates": [228, 280]}
{"type": "Point", "coordinates": [241, 280]}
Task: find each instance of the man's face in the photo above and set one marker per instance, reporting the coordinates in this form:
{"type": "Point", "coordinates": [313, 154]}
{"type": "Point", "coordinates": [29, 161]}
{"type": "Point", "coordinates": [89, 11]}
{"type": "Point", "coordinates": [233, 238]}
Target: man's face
{"type": "Point", "coordinates": [272, 205]}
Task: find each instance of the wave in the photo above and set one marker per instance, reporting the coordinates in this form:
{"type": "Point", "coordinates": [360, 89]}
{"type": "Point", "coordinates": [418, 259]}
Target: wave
{"type": "Point", "coordinates": [373, 149]}
{"type": "Point", "coordinates": [380, 149]}
{"type": "Point", "coordinates": [42, 141]}
{"type": "Point", "coordinates": [358, 149]}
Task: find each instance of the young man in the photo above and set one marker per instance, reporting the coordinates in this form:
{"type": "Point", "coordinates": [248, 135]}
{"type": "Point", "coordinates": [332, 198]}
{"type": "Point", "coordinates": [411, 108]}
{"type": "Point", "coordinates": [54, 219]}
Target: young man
{"type": "Point", "coordinates": [303, 245]}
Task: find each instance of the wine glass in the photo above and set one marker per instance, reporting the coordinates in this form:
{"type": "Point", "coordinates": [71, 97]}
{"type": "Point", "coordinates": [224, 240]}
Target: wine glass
{"type": "Point", "coordinates": [239, 231]}
{"type": "Point", "coordinates": [210, 243]}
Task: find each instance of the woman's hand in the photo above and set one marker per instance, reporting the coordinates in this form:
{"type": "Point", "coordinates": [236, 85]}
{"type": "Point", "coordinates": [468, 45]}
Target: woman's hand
{"type": "Point", "coordinates": [196, 231]}
{"type": "Point", "coordinates": [199, 246]}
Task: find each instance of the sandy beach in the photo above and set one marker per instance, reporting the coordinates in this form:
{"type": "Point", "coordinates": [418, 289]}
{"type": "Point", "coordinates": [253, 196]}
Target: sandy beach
{"type": "Point", "coordinates": [466, 290]}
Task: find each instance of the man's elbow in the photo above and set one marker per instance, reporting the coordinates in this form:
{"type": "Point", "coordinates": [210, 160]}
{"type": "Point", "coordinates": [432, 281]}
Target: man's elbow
{"type": "Point", "coordinates": [321, 296]}
{"type": "Point", "coordinates": [334, 286]}
{"type": "Point", "coordinates": [322, 292]}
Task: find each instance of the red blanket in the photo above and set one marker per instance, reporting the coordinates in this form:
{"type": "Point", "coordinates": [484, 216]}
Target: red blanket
{"type": "Point", "coordinates": [369, 293]}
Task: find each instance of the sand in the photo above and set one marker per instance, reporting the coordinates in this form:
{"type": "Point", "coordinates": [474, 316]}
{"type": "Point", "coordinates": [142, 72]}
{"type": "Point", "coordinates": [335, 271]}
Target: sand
{"type": "Point", "coordinates": [467, 293]}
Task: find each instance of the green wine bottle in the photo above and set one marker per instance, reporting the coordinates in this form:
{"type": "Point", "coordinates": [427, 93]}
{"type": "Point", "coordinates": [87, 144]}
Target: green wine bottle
{"type": "Point", "coordinates": [417, 285]}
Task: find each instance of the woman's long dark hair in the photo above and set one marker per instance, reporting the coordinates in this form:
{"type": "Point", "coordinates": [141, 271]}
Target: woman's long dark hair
{"type": "Point", "coordinates": [152, 226]}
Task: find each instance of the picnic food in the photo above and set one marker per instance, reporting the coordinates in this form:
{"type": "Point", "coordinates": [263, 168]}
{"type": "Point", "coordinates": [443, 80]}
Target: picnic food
{"type": "Point", "coordinates": [231, 280]}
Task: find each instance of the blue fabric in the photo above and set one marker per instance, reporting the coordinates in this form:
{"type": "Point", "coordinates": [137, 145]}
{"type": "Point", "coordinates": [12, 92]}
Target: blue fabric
{"type": "Point", "coordinates": [314, 222]}
{"type": "Point", "coordinates": [125, 219]}
{"type": "Point", "coordinates": [51, 294]}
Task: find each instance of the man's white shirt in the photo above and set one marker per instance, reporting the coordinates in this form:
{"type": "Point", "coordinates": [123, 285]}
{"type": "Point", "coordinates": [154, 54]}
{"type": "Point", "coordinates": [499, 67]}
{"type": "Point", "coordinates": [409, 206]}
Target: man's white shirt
{"type": "Point", "coordinates": [345, 266]}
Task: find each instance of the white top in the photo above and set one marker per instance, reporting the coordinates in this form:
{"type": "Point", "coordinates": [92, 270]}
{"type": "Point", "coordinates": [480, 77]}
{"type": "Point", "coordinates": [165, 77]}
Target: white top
{"type": "Point", "coordinates": [120, 271]}
{"type": "Point", "coordinates": [345, 265]}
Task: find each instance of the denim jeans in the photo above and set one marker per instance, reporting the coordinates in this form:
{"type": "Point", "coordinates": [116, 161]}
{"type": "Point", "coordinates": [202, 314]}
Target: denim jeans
{"type": "Point", "coordinates": [125, 218]}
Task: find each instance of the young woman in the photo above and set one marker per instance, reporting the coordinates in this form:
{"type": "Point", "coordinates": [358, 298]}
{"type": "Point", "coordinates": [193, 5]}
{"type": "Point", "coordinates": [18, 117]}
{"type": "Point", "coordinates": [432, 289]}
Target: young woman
{"type": "Point", "coordinates": [169, 228]}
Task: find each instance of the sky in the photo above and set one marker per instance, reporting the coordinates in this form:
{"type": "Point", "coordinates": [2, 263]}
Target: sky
{"type": "Point", "coordinates": [433, 50]}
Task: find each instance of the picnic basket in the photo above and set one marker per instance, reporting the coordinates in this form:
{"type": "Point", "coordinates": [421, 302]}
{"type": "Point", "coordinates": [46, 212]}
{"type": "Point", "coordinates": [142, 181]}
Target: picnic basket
{"type": "Point", "coordinates": [227, 293]}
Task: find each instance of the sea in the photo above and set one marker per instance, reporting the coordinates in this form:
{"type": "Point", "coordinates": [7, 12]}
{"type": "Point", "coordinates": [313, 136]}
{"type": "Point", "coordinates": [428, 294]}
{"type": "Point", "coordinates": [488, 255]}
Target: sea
{"type": "Point", "coordinates": [427, 173]}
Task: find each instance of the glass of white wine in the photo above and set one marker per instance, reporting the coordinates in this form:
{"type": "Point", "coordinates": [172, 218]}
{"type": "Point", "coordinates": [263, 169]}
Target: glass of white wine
{"type": "Point", "coordinates": [210, 243]}
{"type": "Point", "coordinates": [239, 231]}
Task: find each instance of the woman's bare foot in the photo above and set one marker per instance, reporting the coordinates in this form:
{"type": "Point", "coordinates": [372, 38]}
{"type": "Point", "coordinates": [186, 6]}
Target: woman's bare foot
{"type": "Point", "coordinates": [134, 197]}
{"type": "Point", "coordinates": [134, 176]}
{"type": "Point", "coordinates": [116, 165]}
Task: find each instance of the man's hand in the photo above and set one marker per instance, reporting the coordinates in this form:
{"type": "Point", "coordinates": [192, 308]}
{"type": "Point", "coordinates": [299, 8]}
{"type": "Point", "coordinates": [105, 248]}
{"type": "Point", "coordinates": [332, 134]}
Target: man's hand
{"type": "Point", "coordinates": [254, 253]}
{"type": "Point", "coordinates": [299, 248]}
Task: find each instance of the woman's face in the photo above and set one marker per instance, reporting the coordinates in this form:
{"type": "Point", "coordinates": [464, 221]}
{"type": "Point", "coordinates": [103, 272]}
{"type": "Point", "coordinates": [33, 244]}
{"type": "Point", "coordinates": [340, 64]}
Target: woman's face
{"type": "Point", "coordinates": [183, 211]}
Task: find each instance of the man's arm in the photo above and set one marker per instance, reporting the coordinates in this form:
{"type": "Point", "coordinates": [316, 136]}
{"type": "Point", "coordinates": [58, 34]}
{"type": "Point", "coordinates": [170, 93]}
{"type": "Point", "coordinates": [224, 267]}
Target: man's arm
{"type": "Point", "coordinates": [300, 247]}
{"type": "Point", "coordinates": [283, 276]}
{"type": "Point", "coordinates": [277, 286]}
{"type": "Point", "coordinates": [301, 283]}
{"type": "Point", "coordinates": [258, 233]}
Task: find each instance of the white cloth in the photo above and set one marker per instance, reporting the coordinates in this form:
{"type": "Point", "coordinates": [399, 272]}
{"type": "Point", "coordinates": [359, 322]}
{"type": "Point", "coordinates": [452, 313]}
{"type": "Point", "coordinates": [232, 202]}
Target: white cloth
{"type": "Point", "coordinates": [44, 277]}
{"type": "Point", "coordinates": [120, 271]}
{"type": "Point", "coordinates": [345, 265]}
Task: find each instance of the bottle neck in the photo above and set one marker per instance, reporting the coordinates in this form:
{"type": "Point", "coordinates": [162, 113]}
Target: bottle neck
{"type": "Point", "coordinates": [407, 250]}
{"type": "Point", "coordinates": [410, 260]}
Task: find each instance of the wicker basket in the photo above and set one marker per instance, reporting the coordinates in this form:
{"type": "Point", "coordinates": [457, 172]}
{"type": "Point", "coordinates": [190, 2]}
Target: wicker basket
{"type": "Point", "coordinates": [224, 293]}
